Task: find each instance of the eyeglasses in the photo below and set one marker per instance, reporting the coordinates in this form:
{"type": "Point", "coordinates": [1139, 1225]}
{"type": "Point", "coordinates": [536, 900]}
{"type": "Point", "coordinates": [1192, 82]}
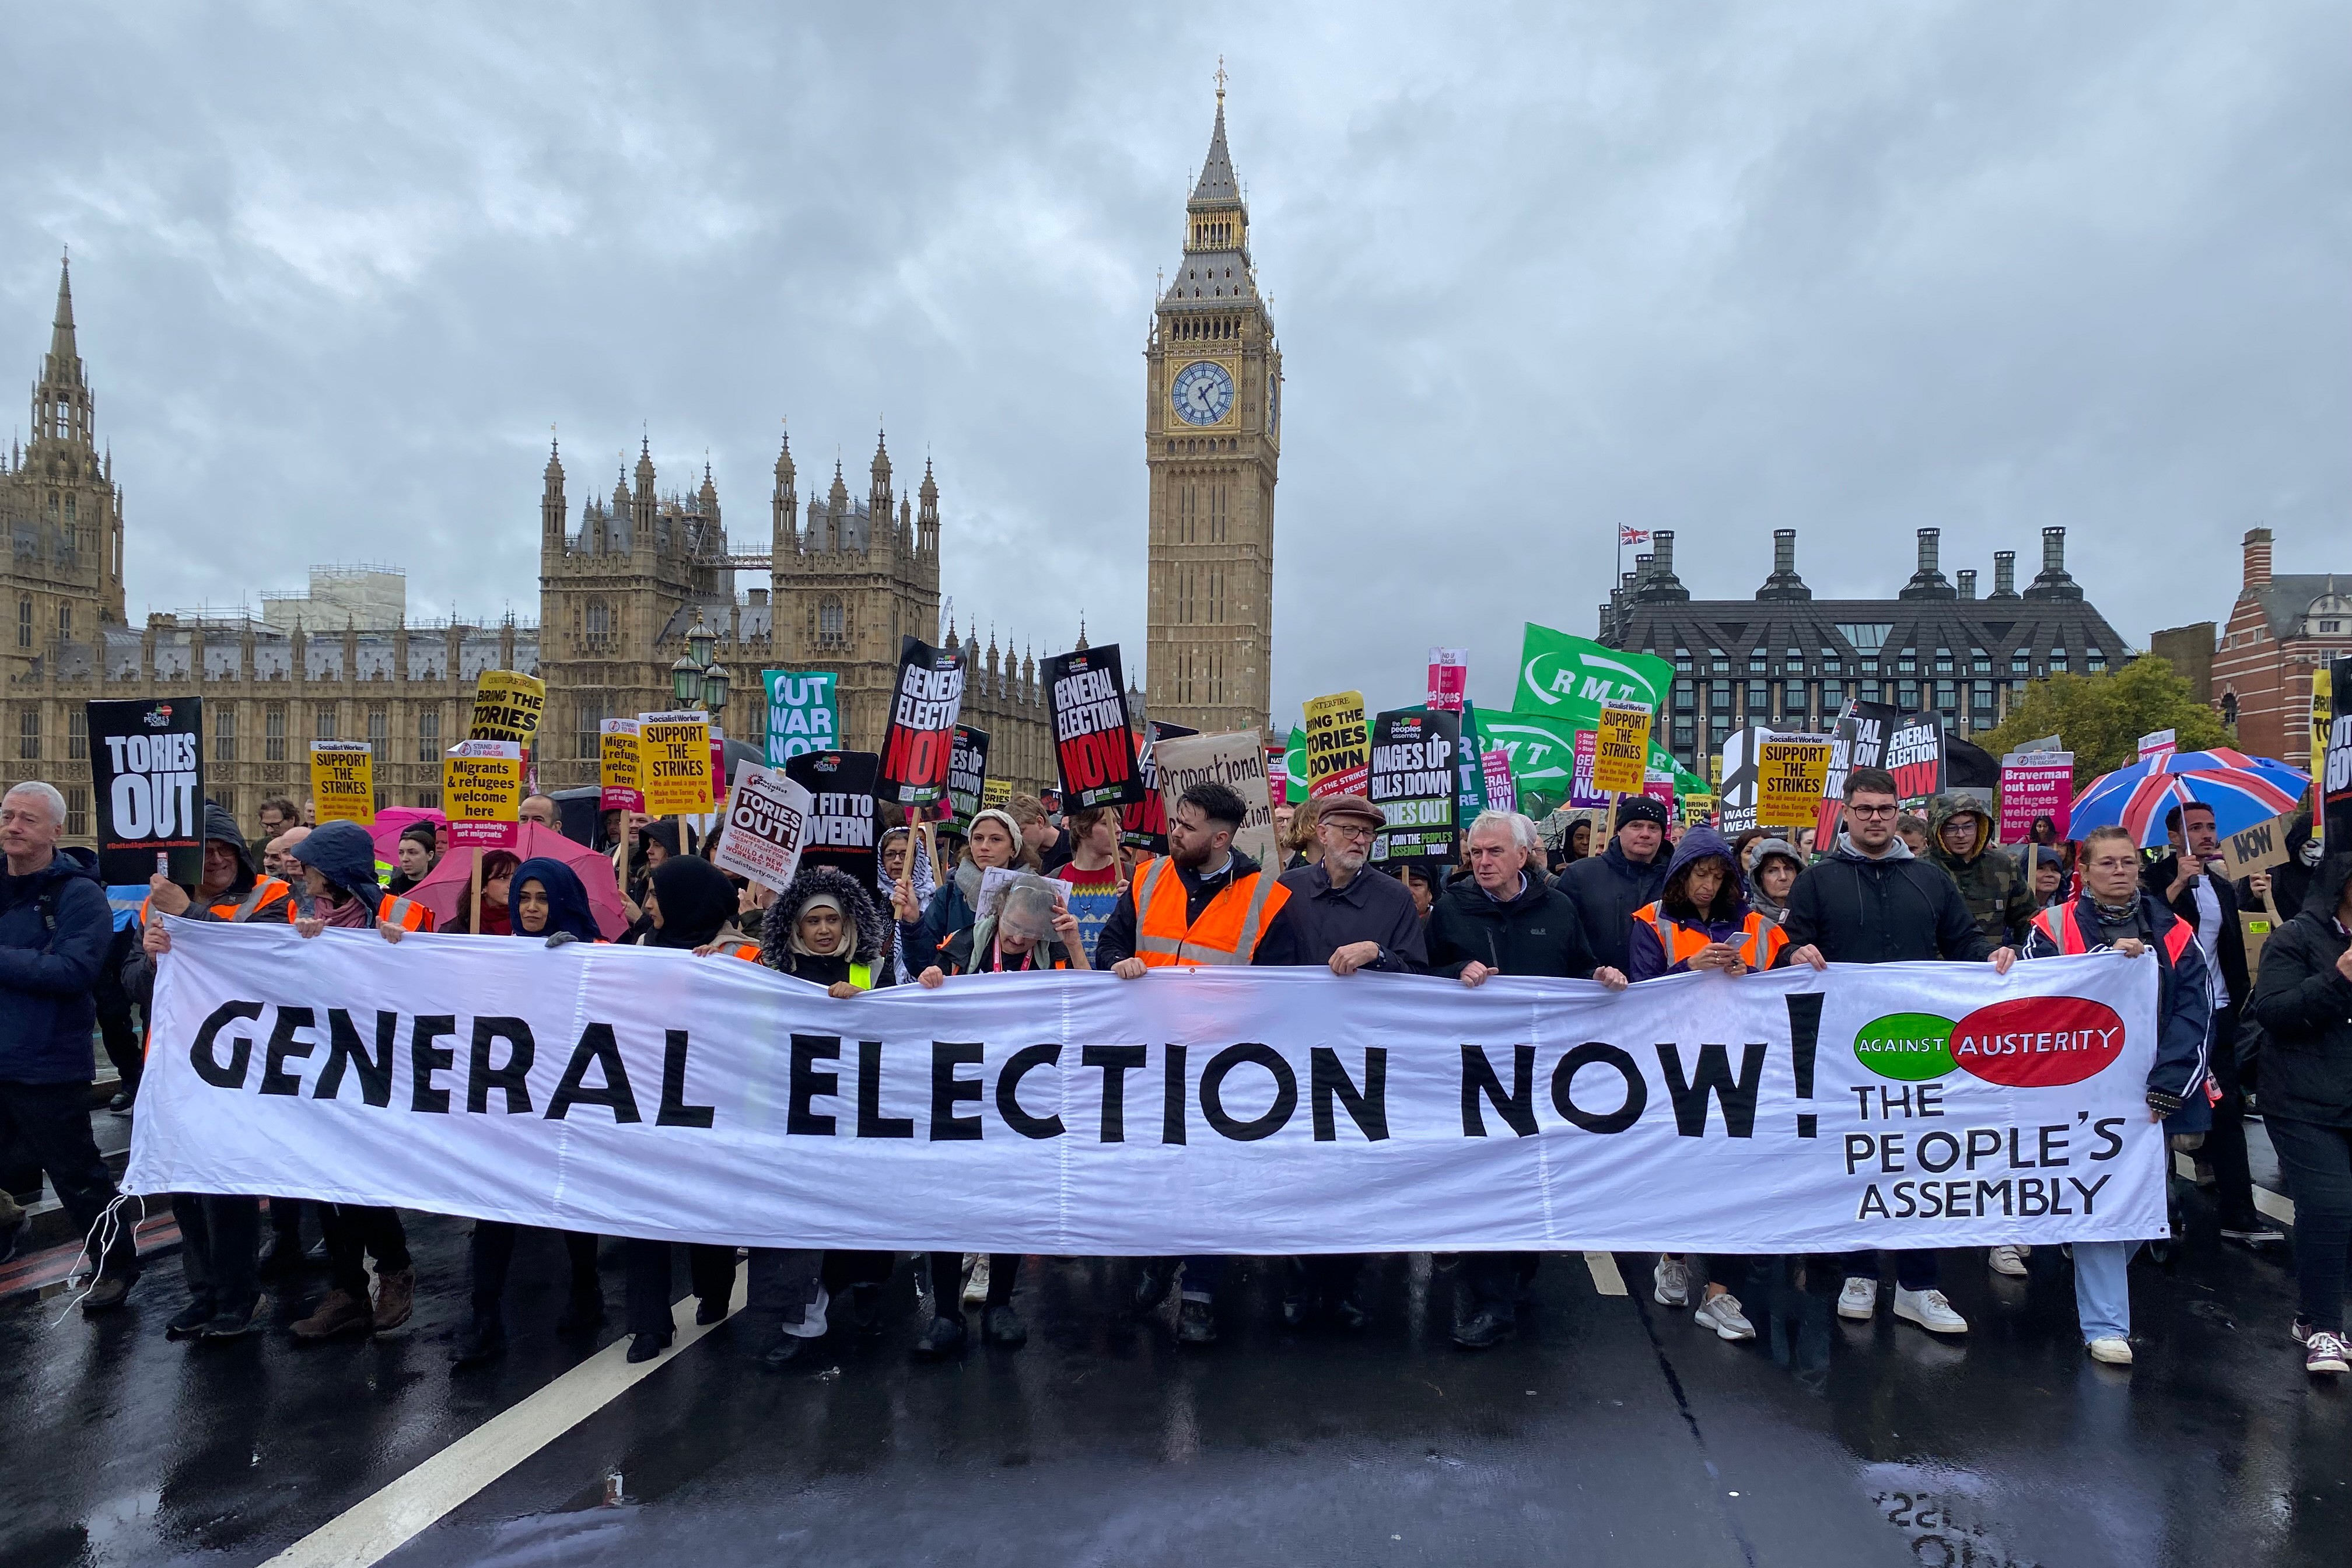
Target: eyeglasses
{"type": "Point", "coordinates": [1351, 830]}
{"type": "Point", "coordinates": [1872, 810]}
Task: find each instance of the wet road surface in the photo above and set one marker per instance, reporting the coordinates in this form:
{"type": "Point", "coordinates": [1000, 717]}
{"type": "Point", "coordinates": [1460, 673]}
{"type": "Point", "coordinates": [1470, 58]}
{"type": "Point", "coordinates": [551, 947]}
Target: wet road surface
{"type": "Point", "coordinates": [1612, 1430]}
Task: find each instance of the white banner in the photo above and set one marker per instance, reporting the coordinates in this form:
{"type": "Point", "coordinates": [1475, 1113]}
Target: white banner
{"type": "Point", "coordinates": [642, 1092]}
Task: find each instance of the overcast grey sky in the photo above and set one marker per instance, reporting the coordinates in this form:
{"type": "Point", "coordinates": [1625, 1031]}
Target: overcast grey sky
{"type": "Point", "coordinates": [1538, 271]}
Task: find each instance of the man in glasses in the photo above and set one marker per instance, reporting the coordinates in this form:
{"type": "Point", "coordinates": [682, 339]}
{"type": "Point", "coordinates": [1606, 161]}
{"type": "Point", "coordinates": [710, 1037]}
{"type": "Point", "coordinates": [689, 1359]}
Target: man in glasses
{"type": "Point", "coordinates": [1871, 901]}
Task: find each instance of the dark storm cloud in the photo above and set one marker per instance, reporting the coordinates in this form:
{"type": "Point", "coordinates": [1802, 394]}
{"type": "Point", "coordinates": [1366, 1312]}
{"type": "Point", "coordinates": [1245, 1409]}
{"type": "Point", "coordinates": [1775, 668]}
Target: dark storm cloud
{"type": "Point", "coordinates": [1852, 269]}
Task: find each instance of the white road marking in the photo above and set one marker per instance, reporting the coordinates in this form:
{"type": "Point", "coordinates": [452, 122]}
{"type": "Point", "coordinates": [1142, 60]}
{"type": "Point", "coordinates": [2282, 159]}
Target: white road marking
{"type": "Point", "coordinates": [2272, 1205]}
{"type": "Point", "coordinates": [1605, 1278]}
{"type": "Point", "coordinates": [375, 1528]}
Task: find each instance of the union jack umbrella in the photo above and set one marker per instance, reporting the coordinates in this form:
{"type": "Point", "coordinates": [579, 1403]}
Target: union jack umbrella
{"type": "Point", "coordinates": [2243, 792]}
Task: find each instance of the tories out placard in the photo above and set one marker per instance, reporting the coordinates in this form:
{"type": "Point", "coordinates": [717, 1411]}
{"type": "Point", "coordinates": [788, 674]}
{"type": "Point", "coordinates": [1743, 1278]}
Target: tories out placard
{"type": "Point", "coordinates": [840, 787]}
{"type": "Point", "coordinates": [1339, 745]}
{"type": "Point", "coordinates": [1092, 743]}
{"type": "Point", "coordinates": [767, 826]}
{"type": "Point", "coordinates": [146, 767]}
{"type": "Point", "coordinates": [924, 704]}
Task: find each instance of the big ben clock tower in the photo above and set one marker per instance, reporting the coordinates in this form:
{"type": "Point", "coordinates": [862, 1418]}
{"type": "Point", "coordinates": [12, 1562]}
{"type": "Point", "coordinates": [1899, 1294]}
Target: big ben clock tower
{"type": "Point", "coordinates": [1212, 426]}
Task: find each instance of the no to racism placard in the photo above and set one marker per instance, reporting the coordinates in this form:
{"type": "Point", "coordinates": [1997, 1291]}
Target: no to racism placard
{"type": "Point", "coordinates": [507, 707]}
{"type": "Point", "coordinates": [1621, 747]}
{"type": "Point", "coordinates": [1237, 761]}
{"type": "Point", "coordinates": [923, 708]}
{"type": "Point", "coordinates": [1092, 743]}
{"type": "Point", "coordinates": [481, 793]}
{"type": "Point", "coordinates": [840, 810]}
{"type": "Point", "coordinates": [767, 825]}
{"type": "Point", "coordinates": [620, 766]}
{"type": "Point", "coordinates": [1339, 745]}
{"type": "Point", "coordinates": [1415, 780]}
{"type": "Point", "coordinates": [674, 767]}
{"type": "Point", "coordinates": [804, 713]}
{"type": "Point", "coordinates": [342, 780]}
{"type": "Point", "coordinates": [146, 770]}
{"type": "Point", "coordinates": [637, 1093]}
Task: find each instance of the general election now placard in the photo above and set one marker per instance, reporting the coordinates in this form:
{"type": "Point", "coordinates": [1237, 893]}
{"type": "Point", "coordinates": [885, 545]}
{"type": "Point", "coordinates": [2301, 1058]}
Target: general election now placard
{"type": "Point", "coordinates": [632, 1091]}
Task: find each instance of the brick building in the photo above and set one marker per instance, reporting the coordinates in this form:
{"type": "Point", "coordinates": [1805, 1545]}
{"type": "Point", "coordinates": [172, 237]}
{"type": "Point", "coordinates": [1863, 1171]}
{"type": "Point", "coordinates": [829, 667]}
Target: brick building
{"type": "Point", "coordinates": [2282, 627]}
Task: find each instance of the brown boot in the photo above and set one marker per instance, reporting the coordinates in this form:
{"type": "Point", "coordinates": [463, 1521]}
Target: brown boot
{"type": "Point", "coordinates": [396, 1297]}
{"type": "Point", "coordinates": [339, 1313]}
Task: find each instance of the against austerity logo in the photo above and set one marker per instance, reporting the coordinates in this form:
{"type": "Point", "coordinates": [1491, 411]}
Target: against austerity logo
{"type": "Point", "coordinates": [2027, 1042]}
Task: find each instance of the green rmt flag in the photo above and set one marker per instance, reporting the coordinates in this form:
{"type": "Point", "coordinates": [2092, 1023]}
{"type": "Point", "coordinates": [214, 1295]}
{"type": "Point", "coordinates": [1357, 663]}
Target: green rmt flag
{"type": "Point", "coordinates": [1568, 677]}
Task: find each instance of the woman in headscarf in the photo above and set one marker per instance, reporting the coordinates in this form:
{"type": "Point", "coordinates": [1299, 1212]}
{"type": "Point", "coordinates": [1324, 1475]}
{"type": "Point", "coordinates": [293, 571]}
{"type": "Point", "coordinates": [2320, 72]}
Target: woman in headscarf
{"type": "Point", "coordinates": [549, 905]}
{"type": "Point", "coordinates": [1702, 920]}
{"type": "Point", "coordinates": [1579, 839]}
{"type": "Point", "coordinates": [1031, 929]}
{"type": "Point", "coordinates": [1773, 865]}
{"type": "Point", "coordinates": [419, 851]}
{"type": "Point", "coordinates": [690, 906]}
{"type": "Point", "coordinates": [336, 863]}
{"type": "Point", "coordinates": [827, 930]}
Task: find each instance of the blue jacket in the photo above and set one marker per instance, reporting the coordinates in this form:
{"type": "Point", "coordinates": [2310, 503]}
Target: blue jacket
{"type": "Point", "coordinates": [54, 929]}
{"type": "Point", "coordinates": [2184, 1009]}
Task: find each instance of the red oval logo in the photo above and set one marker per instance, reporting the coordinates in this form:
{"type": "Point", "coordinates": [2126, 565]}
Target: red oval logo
{"type": "Point", "coordinates": [2038, 1042]}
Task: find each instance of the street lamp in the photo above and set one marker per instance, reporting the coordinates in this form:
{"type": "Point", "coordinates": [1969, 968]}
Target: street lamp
{"type": "Point", "coordinates": [694, 680]}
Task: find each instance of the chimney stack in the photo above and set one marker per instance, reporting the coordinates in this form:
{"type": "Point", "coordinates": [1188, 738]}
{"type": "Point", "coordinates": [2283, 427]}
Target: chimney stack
{"type": "Point", "coordinates": [1663, 542]}
{"type": "Point", "coordinates": [1784, 550]}
{"type": "Point", "coordinates": [2054, 549]}
{"type": "Point", "coordinates": [1784, 582]}
{"type": "Point", "coordinates": [1643, 567]}
{"type": "Point", "coordinates": [2258, 559]}
{"type": "Point", "coordinates": [1928, 582]}
{"type": "Point", "coordinates": [1929, 551]}
{"type": "Point", "coordinates": [1968, 583]}
{"type": "Point", "coordinates": [2004, 573]}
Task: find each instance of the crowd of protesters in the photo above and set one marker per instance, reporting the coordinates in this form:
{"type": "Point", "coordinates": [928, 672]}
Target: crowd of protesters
{"type": "Point", "coordinates": [1622, 902]}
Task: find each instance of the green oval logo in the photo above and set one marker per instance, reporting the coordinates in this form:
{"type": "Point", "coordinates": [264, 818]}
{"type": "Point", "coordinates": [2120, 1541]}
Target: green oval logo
{"type": "Point", "coordinates": [1906, 1046]}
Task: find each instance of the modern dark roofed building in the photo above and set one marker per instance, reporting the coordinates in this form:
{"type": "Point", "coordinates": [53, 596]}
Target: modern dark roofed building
{"type": "Point", "coordinates": [1787, 659]}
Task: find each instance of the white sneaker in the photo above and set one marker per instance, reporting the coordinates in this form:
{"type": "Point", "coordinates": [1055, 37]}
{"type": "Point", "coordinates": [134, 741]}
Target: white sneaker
{"type": "Point", "coordinates": [1859, 1299]}
{"type": "Point", "coordinates": [975, 1285]}
{"type": "Point", "coordinates": [2009, 1261]}
{"type": "Point", "coordinates": [1722, 1314]}
{"type": "Point", "coordinates": [1672, 1278]}
{"type": "Point", "coordinates": [2113, 1353]}
{"type": "Point", "coordinates": [1929, 1311]}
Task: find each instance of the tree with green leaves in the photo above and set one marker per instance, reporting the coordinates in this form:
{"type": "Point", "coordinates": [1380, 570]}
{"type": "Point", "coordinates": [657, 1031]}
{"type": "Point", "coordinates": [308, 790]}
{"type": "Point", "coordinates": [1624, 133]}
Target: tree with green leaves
{"type": "Point", "coordinates": [2102, 716]}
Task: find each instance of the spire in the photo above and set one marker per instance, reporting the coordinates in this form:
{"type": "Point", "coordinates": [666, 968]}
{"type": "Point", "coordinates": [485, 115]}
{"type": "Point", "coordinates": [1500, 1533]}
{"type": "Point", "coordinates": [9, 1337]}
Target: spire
{"type": "Point", "coordinates": [62, 349]}
{"type": "Point", "coordinates": [1217, 182]}
{"type": "Point", "coordinates": [840, 493]}
{"type": "Point", "coordinates": [784, 472]}
{"type": "Point", "coordinates": [555, 457]}
{"type": "Point", "coordinates": [928, 492]}
{"type": "Point", "coordinates": [1082, 632]}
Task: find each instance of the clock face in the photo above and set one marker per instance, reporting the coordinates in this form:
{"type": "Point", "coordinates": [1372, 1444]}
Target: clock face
{"type": "Point", "coordinates": [1203, 393]}
{"type": "Point", "coordinates": [1273, 401]}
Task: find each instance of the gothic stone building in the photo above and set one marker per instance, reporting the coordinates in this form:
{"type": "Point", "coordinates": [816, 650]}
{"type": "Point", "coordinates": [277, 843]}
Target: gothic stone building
{"type": "Point", "coordinates": [1787, 660]}
{"type": "Point", "coordinates": [1212, 428]}
{"type": "Point", "coordinates": [617, 597]}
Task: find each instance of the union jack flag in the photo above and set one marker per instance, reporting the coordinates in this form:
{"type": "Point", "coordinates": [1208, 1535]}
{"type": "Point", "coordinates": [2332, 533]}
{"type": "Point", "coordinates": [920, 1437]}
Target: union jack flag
{"type": "Point", "coordinates": [1632, 535]}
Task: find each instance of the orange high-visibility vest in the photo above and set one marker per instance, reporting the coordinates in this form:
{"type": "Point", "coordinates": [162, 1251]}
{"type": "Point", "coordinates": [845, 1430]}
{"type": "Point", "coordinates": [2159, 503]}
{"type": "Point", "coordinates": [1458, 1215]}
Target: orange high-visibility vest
{"type": "Point", "coordinates": [1227, 931]}
{"type": "Point", "coordinates": [1758, 946]}
{"type": "Point", "coordinates": [2061, 925]}
{"type": "Point", "coordinates": [390, 910]}
{"type": "Point", "coordinates": [265, 892]}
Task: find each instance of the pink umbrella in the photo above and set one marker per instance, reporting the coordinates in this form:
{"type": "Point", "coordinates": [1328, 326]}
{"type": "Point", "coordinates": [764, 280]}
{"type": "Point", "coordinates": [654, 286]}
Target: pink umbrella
{"type": "Point", "coordinates": [386, 830]}
{"type": "Point", "coordinates": [445, 887]}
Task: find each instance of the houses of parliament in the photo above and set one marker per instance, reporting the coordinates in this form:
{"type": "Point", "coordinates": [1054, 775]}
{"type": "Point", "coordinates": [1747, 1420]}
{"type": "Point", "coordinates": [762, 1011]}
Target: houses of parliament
{"type": "Point", "coordinates": [626, 574]}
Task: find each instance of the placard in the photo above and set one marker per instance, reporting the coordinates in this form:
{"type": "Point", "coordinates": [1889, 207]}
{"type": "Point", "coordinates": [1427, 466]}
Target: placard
{"type": "Point", "coordinates": [804, 713]}
{"type": "Point", "coordinates": [767, 825]}
{"type": "Point", "coordinates": [924, 704]}
{"type": "Point", "coordinates": [675, 772]}
{"type": "Point", "coordinates": [1449, 680]}
{"type": "Point", "coordinates": [1144, 823]}
{"type": "Point", "coordinates": [1416, 781]}
{"type": "Point", "coordinates": [967, 771]}
{"type": "Point", "coordinates": [507, 707]}
{"type": "Point", "coordinates": [1914, 755]}
{"type": "Point", "coordinates": [1621, 747]}
{"type": "Point", "coordinates": [1581, 792]}
{"type": "Point", "coordinates": [620, 766]}
{"type": "Point", "coordinates": [342, 781]}
{"type": "Point", "coordinates": [1236, 760]}
{"type": "Point", "coordinates": [841, 786]}
{"type": "Point", "coordinates": [2157, 744]}
{"type": "Point", "coordinates": [996, 793]}
{"type": "Point", "coordinates": [1502, 789]}
{"type": "Point", "coordinates": [146, 769]}
{"type": "Point", "coordinates": [1791, 771]}
{"type": "Point", "coordinates": [1339, 745]}
{"type": "Point", "coordinates": [1858, 742]}
{"type": "Point", "coordinates": [2257, 848]}
{"type": "Point", "coordinates": [2033, 784]}
{"type": "Point", "coordinates": [1093, 745]}
{"type": "Point", "coordinates": [481, 793]}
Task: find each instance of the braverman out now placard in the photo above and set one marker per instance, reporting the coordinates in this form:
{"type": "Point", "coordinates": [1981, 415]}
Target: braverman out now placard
{"type": "Point", "coordinates": [640, 1092]}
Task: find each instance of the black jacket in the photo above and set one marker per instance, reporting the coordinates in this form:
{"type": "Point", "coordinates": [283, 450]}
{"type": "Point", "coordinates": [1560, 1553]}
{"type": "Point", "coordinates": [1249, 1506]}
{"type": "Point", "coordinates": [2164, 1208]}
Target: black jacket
{"type": "Point", "coordinates": [2305, 1006]}
{"type": "Point", "coordinates": [1895, 908]}
{"type": "Point", "coordinates": [1373, 907]}
{"type": "Point", "coordinates": [1606, 889]}
{"type": "Point", "coordinates": [1538, 932]}
{"type": "Point", "coordinates": [2228, 943]}
{"type": "Point", "coordinates": [55, 929]}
